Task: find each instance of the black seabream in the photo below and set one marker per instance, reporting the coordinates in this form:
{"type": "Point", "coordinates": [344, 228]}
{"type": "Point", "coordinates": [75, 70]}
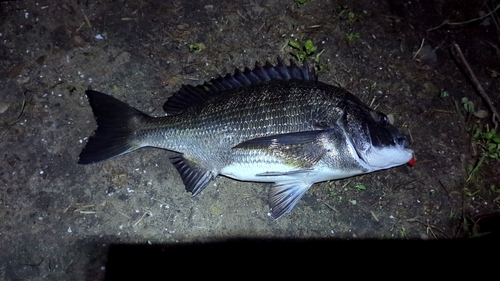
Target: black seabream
{"type": "Point", "coordinates": [275, 123]}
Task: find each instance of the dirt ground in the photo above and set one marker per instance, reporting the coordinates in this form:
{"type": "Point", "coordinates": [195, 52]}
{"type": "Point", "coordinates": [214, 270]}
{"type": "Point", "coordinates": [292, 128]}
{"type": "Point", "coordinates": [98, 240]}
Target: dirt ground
{"type": "Point", "coordinates": [58, 219]}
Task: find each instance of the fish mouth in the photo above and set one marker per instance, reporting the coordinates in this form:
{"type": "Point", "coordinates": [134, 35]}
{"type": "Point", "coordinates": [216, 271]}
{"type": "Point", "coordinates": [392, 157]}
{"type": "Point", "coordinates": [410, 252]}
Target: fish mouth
{"type": "Point", "coordinates": [402, 142]}
{"type": "Point", "coordinates": [384, 155]}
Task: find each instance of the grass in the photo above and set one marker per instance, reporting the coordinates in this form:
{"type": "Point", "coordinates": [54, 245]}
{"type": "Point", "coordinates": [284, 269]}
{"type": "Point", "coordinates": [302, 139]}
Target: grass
{"type": "Point", "coordinates": [489, 143]}
{"type": "Point", "coordinates": [196, 48]}
{"type": "Point", "coordinates": [353, 36]}
{"type": "Point", "coordinates": [303, 51]}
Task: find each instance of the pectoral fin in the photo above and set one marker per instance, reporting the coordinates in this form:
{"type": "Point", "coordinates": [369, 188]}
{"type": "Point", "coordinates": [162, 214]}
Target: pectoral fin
{"type": "Point", "coordinates": [289, 173]}
{"type": "Point", "coordinates": [284, 195]}
{"type": "Point", "coordinates": [301, 149]}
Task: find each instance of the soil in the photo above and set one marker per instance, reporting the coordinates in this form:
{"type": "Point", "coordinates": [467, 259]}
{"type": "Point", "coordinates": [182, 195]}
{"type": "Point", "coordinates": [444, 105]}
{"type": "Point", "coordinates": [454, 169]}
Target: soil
{"type": "Point", "coordinates": [58, 218]}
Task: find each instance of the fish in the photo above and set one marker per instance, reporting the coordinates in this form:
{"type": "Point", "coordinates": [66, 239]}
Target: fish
{"type": "Point", "coordinates": [273, 123]}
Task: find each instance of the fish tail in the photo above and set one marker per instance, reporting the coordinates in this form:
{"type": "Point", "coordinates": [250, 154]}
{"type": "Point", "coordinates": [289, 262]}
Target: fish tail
{"type": "Point", "coordinates": [116, 127]}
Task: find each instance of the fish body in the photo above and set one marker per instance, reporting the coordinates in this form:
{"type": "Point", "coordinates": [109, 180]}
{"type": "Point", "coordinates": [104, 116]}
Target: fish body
{"type": "Point", "coordinates": [271, 124]}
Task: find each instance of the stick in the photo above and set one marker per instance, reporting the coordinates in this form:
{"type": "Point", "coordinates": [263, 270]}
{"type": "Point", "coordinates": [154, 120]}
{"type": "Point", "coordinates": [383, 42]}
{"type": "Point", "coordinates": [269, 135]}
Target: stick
{"type": "Point", "coordinates": [419, 49]}
{"type": "Point", "coordinates": [456, 50]}
{"type": "Point", "coordinates": [463, 22]}
{"type": "Point", "coordinates": [86, 19]}
{"type": "Point", "coordinates": [23, 107]}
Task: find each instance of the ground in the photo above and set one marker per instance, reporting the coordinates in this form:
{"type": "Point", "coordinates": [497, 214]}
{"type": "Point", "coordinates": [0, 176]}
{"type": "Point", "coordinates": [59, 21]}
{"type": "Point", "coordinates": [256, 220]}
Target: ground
{"type": "Point", "coordinates": [58, 218]}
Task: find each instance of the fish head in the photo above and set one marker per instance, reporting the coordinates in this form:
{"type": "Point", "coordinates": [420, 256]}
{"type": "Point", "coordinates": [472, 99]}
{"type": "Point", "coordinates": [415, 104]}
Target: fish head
{"type": "Point", "coordinates": [373, 139]}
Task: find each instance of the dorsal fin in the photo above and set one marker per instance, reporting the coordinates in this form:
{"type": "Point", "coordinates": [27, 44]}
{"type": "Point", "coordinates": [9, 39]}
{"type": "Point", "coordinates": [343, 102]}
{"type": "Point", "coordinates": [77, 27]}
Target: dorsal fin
{"type": "Point", "coordinates": [189, 95]}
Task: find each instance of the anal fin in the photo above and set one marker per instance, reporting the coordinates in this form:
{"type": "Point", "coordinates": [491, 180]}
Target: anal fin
{"type": "Point", "coordinates": [194, 177]}
{"type": "Point", "coordinates": [284, 195]}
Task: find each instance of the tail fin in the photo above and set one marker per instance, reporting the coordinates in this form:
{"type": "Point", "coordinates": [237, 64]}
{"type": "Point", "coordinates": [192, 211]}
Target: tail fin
{"type": "Point", "coordinates": [114, 135]}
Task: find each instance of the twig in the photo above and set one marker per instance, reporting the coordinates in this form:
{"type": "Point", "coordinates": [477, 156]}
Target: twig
{"type": "Point", "coordinates": [23, 107]}
{"type": "Point", "coordinates": [494, 46]}
{"type": "Point", "coordinates": [411, 182]}
{"type": "Point", "coordinates": [447, 22]}
{"type": "Point", "coordinates": [238, 12]}
{"type": "Point", "coordinates": [457, 52]}
{"type": "Point", "coordinates": [443, 111]}
{"type": "Point", "coordinates": [348, 182]}
{"type": "Point", "coordinates": [419, 49]}
{"type": "Point", "coordinates": [331, 208]}
{"type": "Point", "coordinates": [429, 227]}
{"type": "Point", "coordinates": [145, 214]}
{"type": "Point", "coordinates": [373, 100]}
{"type": "Point", "coordinates": [124, 215]}
{"type": "Point", "coordinates": [260, 28]}
{"type": "Point", "coordinates": [65, 210]}
{"type": "Point", "coordinates": [80, 27]}
{"type": "Point", "coordinates": [459, 112]}
{"type": "Point", "coordinates": [495, 21]}
{"type": "Point", "coordinates": [86, 19]}
{"type": "Point", "coordinates": [444, 187]}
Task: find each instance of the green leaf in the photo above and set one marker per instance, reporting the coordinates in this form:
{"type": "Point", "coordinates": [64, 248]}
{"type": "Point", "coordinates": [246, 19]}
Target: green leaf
{"type": "Point", "coordinates": [309, 47]}
{"type": "Point", "coordinates": [196, 48]}
{"type": "Point", "coordinates": [479, 164]}
{"type": "Point", "coordinates": [469, 168]}
{"type": "Point", "coordinates": [316, 59]}
{"type": "Point", "coordinates": [352, 16]}
{"type": "Point", "coordinates": [478, 133]}
{"type": "Point", "coordinates": [71, 88]}
{"type": "Point", "coordinates": [360, 186]}
{"type": "Point", "coordinates": [353, 36]}
{"type": "Point", "coordinates": [480, 113]}
{"type": "Point", "coordinates": [468, 192]}
{"type": "Point", "coordinates": [469, 106]}
{"type": "Point", "coordinates": [294, 44]}
{"type": "Point", "coordinates": [403, 232]}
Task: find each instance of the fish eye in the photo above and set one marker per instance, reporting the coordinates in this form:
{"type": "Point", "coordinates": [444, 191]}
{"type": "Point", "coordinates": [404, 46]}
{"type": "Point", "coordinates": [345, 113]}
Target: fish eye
{"type": "Point", "coordinates": [382, 119]}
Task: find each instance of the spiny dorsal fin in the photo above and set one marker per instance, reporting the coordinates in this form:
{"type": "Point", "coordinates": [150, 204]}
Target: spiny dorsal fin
{"type": "Point", "coordinates": [189, 95]}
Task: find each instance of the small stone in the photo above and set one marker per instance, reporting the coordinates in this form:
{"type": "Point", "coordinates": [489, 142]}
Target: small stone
{"type": "Point", "coordinates": [3, 107]}
{"type": "Point", "coordinates": [216, 211]}
{"type": "Point", "coordinates": [78, 41]}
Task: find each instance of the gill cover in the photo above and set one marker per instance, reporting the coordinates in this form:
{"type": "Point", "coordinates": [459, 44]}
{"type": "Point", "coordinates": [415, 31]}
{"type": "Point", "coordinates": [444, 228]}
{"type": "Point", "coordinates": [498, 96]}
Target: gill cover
{"type": "Point", "coordinates": [378, 144]}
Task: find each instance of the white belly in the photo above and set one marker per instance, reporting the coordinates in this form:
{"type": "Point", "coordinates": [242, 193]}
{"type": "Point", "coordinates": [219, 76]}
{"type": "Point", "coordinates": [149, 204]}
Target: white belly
{"type": "Point", "coordinates": [280, 172]}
